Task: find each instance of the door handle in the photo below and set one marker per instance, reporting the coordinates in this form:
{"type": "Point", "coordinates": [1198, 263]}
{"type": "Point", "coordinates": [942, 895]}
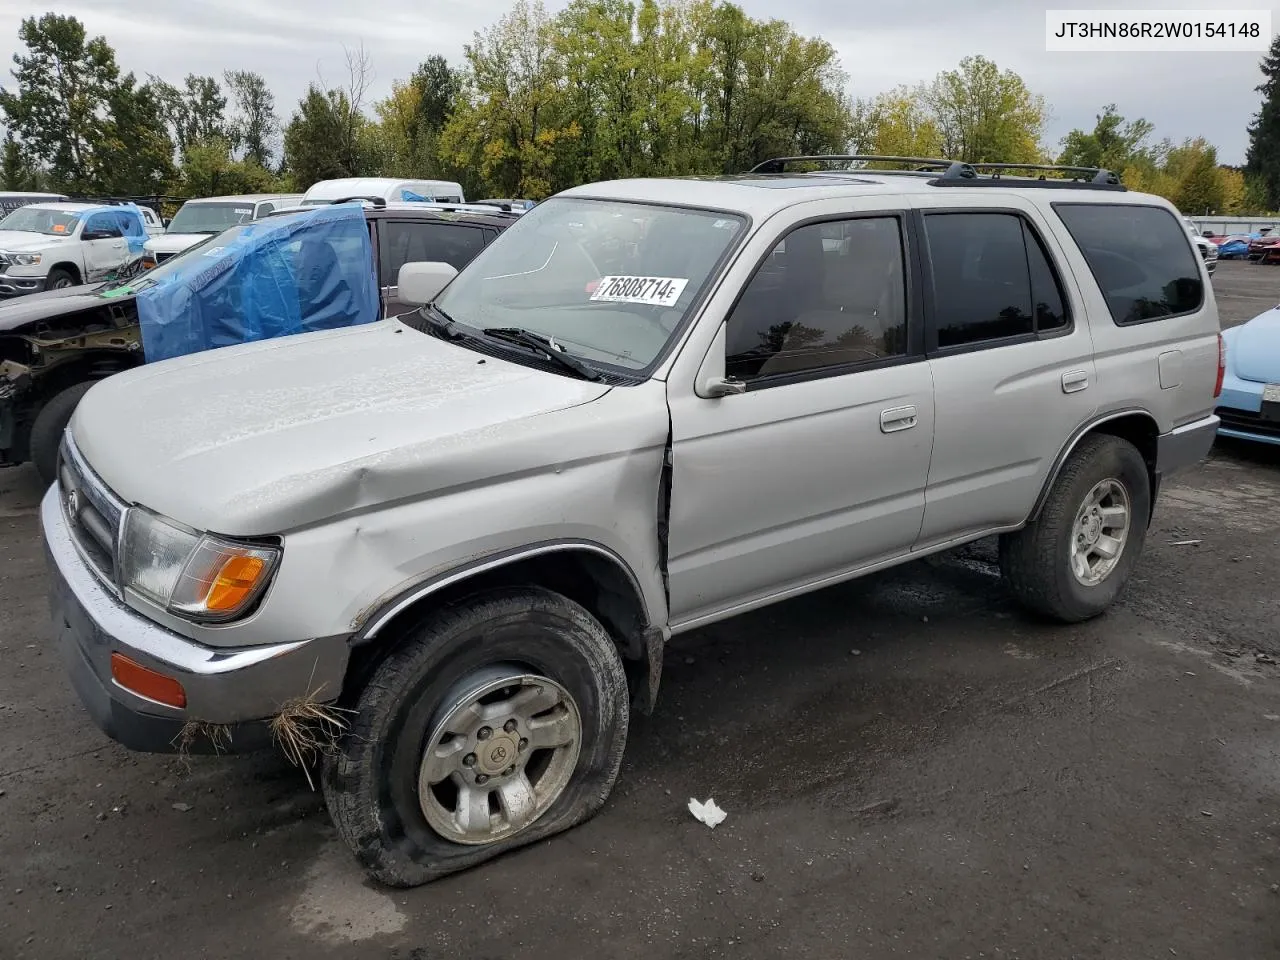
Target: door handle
{"type": "Point", "coordinates": [1073, 381]}
{"type": "Point", "coordinates": [898, 418]}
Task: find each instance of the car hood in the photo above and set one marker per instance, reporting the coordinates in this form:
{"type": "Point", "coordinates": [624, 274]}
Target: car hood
{"type": "Point", "coordinates": [1253, 349]}
{"type": "Point", "coordinates": [20, 241]}
{"type": "Point", "coordinates": [174, 242]}
{"type": "Point", "coordinates": [265, 437]}
{"type": "Point", "coordinates": [46, 305]}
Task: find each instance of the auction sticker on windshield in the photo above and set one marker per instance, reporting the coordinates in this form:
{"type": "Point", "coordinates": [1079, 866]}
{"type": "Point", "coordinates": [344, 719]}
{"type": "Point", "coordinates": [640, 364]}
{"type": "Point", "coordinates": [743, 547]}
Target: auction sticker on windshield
{"type": "Point", "coordinates": [657, 291]}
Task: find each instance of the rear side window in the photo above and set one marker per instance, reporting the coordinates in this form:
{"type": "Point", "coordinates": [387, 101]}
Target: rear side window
{"type": "Point", "coordinates": [992, 280]}
{"type": "Point", "coordinates": [1141, 258]}
{"type": "Point", "coordinates": [413, 241]}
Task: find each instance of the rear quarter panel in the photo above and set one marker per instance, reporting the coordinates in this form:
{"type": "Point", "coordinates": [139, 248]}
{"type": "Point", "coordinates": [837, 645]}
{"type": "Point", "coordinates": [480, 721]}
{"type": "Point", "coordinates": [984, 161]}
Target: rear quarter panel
{"type": "Point", "coordinates": [1166, 367]}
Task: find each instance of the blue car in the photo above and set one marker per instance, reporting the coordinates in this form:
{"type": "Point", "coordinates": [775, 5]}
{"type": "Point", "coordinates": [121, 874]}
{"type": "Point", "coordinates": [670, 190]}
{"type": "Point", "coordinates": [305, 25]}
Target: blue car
{"type": "Point", "coordinates": [1249, 406]}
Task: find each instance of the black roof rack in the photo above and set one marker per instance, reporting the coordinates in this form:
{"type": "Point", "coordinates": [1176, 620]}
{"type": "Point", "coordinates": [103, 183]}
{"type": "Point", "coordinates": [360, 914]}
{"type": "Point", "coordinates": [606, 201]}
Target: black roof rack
{"type": "Point", "coordinates": [958, 173]}
{"type": "Point", "coordinates": [921, 164]}
{"type": "Point", "coordinates": [379, 202]}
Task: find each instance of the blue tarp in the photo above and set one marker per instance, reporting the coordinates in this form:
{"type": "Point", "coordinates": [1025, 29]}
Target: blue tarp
{"type": "Point", "coordinates": [272, 278]}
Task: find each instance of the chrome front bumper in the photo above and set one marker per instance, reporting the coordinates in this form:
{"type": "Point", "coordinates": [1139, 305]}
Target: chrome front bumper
{"type": "Point", "coordinates": [239, 687]}
{"type": "Point", "coordinates": [1185, 446]}
{"type": "Point", "coordinates": [18, 286]}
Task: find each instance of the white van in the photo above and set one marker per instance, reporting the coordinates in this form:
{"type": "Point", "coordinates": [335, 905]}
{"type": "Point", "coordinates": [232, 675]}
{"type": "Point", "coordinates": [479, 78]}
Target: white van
{"type": "Point", "coordinates": [388, 189]}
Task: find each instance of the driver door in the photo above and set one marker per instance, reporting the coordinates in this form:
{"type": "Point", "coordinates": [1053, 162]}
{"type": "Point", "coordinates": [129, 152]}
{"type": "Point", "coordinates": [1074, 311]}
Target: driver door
{"type": "Point", "coordinates": [104, 246]}
{"type": "Point", "coordinates": [811, 462]}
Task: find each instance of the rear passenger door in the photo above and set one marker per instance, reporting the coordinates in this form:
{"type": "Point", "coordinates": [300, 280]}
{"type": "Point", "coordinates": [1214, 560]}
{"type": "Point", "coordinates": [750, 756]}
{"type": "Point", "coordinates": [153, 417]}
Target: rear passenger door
{"type": "Point", "coordinates": [1012, 362]}
{"type": "Point", "coordinates": [415, 241]}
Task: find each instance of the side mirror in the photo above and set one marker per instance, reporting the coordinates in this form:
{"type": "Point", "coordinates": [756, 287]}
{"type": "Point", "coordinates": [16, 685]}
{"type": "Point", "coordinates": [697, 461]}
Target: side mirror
{"type": "Point", "coordinates": [421, 282]}
{"type": "Point", "coordinates": [166, 221]}
{"type": "Point", "coordinates": [711, 382]}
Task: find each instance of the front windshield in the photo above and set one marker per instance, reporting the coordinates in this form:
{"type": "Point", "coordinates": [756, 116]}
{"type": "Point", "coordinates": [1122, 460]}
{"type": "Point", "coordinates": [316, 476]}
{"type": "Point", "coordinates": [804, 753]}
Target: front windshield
{"type": "Point", "coordinates": [36, 220]}
{"type": "Point", "coordinates": [210, 217]}
{"type": "Point", "coordinates": [608, 281]}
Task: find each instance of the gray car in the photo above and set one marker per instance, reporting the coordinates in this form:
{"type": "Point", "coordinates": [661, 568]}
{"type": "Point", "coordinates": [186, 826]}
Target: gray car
{"type": "Point", "coordinates": [448, 550]}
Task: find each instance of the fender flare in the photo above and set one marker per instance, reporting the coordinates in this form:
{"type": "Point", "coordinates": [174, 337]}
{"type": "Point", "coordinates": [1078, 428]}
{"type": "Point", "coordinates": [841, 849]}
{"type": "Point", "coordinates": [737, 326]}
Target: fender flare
{"type": "Point", "coordinates": [1069, 447]}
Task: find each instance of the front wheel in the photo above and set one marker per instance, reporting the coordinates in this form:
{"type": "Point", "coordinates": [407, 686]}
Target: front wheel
{"type": "Point", "coordinates": [48, 427]}
{"type": "Point", "coordinates": [499, 721]}
{"type": "Point", "coordinates": [1073, 561]}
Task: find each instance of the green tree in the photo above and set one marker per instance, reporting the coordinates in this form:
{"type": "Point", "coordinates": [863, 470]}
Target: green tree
{"type": "Point", "coordinates": [254, 128]}
{"type": "Point", "coordinates": [410, 119]}
{"type": "Point", "coordinates": [438, 86]}
{"type": "Point", "coordinates": [135, 151]}
{"type": "Point", "coordinates": [986, 115]}
{"type": "Point", "coordinates": [1262, 162]}
{"type": "Point", "coordinates": [59, 108]}
{"type": "Point", "coordinates": [327, 139]}
{"type": "Point", "coordinates": [196, 113]}
{"type": "Point", "coordinates": [16, 172]}
{"type": "Point", "coordinates": [509, 124]}
{"type": "Point", "coordinates": [1114, 143]}
{"type": "Point", "coordinates": [897, 124]}
{"type": "Point", "coordinates": [211, 170]}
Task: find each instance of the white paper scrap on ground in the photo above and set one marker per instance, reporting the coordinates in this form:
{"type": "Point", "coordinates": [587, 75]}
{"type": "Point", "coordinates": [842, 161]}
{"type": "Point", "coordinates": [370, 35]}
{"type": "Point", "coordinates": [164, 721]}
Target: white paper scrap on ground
{"type": "Point", "coordinates": [707, 812]}
{"type": "Point", "coordinates": [655, 291]}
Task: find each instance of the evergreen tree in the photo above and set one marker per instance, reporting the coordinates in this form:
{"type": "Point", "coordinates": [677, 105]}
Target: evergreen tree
{"type": "Point", "coordinates": [1262, 162]}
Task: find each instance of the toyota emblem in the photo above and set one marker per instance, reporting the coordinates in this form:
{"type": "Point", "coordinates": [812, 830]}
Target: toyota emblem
{"type": "Point", "coordinates": [73, 503]}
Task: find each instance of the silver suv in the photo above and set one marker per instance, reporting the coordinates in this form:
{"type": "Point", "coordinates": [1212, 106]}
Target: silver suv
{"type": "Point", "coordinates": [451, 547]}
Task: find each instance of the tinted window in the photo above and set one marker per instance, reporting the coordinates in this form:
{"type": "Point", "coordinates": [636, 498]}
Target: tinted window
{"type": "Point", "coordinates": [1140, 256]}
{"type": "Point", "coordinates": [981, 282]}
{"type": "Point", "coordinates": [408, 241]}
{"type": "Point", "coordinates": [103, 223]}
{"type": "Point", "coordinates": [828, 294]}
{"type": "Point", "coordinates": [264, 209]}
{"type": "Point", "coordinates": [1046, 289]}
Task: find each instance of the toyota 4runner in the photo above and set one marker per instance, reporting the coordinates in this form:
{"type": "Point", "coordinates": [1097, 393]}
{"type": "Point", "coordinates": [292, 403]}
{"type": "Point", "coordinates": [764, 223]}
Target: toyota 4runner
{"type": "Point", "coordinates": [464, 537]}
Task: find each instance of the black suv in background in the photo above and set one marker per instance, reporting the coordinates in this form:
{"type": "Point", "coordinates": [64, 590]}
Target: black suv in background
{"type": "Point", "coordinates": [55, 345]}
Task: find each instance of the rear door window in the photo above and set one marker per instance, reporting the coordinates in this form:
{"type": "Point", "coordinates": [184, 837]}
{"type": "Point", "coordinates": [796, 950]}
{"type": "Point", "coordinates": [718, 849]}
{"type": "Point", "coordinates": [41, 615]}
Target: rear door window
{"type": "Point", "coordinates": [992, 280]}
{"type": "Point", "coordinates": [1140, 256]}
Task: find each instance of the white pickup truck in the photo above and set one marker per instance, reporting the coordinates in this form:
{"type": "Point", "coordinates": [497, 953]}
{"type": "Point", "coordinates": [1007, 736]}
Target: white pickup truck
{"type": "Point", "coordinates": [198, 220]}
{"type": "Point", "coordinates": [49, 246]}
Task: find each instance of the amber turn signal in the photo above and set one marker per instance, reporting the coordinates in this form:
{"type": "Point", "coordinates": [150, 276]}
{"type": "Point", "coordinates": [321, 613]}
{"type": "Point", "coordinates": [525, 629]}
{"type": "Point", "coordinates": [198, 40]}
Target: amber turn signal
{"type": "Point", "coordinates": [234, 583]}
{"type": "Point", "coordinates": [146, 682]}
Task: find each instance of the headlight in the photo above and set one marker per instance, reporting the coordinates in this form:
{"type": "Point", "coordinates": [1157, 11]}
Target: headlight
{"type": "Point", "coordinates": [194, 575]}
{"type": "Point", "coordinates": [24, 259]}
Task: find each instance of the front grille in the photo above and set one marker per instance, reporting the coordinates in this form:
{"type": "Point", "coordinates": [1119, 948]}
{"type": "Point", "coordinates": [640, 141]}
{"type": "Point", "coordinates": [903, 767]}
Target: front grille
{"type": "Point", "coordinates": [4, 262]}
{"type": "Point", "coordinates": [93, 513]}
{"type": "Point", "coordinates": [1234, 419]}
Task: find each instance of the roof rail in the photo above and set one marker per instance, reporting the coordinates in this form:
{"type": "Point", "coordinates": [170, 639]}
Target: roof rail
{"type": "Point", "coordinates": [954, 168]}
{"type": "Point", "coordinates": [1098, 175]}
{"type": "Point", "coordinates": [958, 173]}
{"type": "Point", "coordinates": [379, 202]}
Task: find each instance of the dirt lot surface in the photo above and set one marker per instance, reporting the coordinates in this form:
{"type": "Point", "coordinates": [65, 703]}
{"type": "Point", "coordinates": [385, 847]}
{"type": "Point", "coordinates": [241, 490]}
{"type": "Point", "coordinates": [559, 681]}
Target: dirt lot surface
{"type": "Point", "coordinates": [911, 768]}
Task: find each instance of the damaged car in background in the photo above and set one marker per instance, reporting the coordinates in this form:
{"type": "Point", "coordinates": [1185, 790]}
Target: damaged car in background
{"type": "Point", "coordinates": [55, 345]}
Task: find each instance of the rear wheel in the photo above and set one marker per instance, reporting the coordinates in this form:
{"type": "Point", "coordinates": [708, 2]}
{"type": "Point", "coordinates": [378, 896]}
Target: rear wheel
{"type": "Point", "coordinates": [48, 427]}
{"type": "Point", "coordinates": [1073, 561]}
{"type": "Point", "coordinates": [499, 721]}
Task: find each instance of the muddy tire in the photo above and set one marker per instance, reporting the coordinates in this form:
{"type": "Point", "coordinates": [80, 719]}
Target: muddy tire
{"type": "Point", "coordinates": [60, 278]}
{"type": "Point", "coordinates": [518, 676]}
{"type": "Point", "coordinates": [1073, 561]}
{"type": "Point", "coordinates": [47, 429]}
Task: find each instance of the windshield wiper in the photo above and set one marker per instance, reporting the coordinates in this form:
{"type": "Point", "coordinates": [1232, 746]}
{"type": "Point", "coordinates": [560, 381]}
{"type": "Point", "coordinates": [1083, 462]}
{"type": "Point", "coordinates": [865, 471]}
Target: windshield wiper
{"type": "Point", "coordinates": [438, 322]}
{"type": "Point", "coordinates": [544, 346]}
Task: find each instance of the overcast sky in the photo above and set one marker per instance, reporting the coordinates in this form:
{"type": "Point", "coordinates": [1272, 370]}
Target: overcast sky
{"type": "Point", "coordinates": [881, 45]}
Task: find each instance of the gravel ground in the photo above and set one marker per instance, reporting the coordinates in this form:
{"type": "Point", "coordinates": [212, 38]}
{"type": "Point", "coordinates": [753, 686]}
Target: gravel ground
{"type": "Point", "coordinates": [910, 767]}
